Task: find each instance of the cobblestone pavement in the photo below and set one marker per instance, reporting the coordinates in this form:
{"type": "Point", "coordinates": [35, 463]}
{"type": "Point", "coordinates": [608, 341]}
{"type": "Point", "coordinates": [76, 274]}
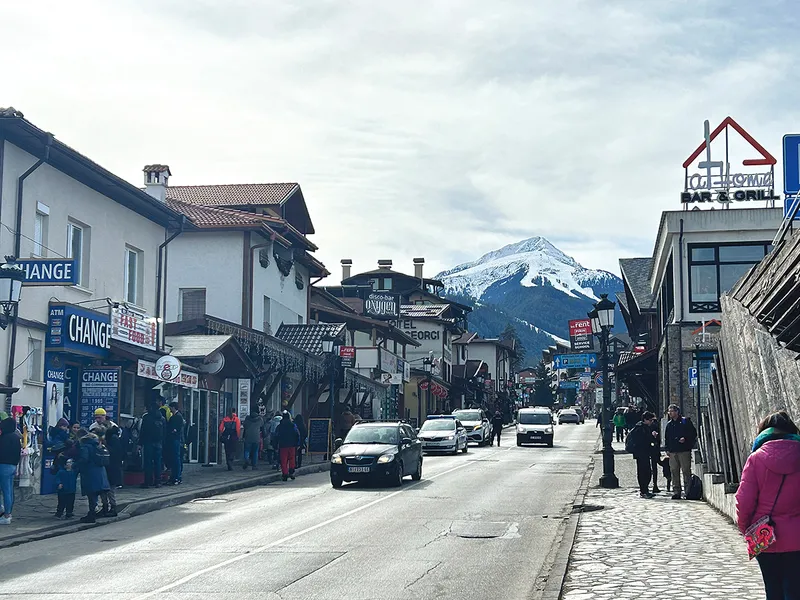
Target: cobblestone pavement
{"type": "Point", "coordinates": [661, 548]}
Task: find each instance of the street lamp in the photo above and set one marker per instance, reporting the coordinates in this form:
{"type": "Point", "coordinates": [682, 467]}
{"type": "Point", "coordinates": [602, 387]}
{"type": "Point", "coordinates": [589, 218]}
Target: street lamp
{"type": "Point", "coordinates": [330, 346]}
{"type": "Point", "coordinates": [427, 365]}
{"type": "Point", "coordinates": [11, 278]}
{"type": "Point", "coordinates": [602, 318]}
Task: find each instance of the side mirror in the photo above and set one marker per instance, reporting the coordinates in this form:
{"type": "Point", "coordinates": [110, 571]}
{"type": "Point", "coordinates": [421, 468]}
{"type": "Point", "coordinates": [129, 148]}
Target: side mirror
{"type": "Point", "coordinates": [337, 443]}
{"type": "Point", "coordinates": [416, 430]}
{"type": "Point", "coordinates": [405, 442]}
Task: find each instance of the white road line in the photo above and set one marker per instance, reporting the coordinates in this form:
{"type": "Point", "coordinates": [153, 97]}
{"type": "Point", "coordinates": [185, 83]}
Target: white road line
{"type": "Point", "coordinates": [288, 538]}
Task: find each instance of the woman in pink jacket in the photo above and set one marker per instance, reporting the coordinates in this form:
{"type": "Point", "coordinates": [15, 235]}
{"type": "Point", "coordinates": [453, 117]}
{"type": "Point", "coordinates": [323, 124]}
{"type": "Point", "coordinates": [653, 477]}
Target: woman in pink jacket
{"type": "Point", "coordinates": [771, 487]}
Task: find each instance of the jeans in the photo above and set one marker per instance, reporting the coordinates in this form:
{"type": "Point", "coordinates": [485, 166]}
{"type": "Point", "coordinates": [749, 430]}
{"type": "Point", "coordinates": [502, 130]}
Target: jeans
{"type": "Point", "coordinates": [251, 454]}
{"type": "Point", "coordinates": [287, 460]}
{"type": "Point", "coordinates": [781, 574]}
{"type": "Point", "coordinates": [680, 461]}
{"type": "Point", "coordinates": [620, 433]}
{"type": "Point", "coordinates": [7, 486]}
{"type": "Point", "coordinates": [176, 468]}
{"type": "Point", "coordinates": [654, 466]}
{"type": "Point", "coordinates": [66, 503]}
{"type": "Point", "coordinates": [151, 454]}
{"type": "Point", "coordinates": [92, 497]}
{"type": "Point", "coordinates": [230, 452]}
{"type": "Point", "coordinates": [496, 434]}
{"type": "Point", "coordinates": [643, 474]}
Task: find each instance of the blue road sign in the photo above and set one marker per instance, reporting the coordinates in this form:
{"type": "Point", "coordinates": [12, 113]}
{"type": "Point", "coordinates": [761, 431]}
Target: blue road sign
{"type": "Point", "coordinates": [574, 361]}
{"type": "Point", "coordinates": [598, 379]}
{"type": "Point", "coordinates": [568, 385]}
{"type": "Point", "coordinates": [692, 377]}
{"type": "Point", "coordinates": [788, 206]}
{"type": "Point", "coordinates": [791, 163]}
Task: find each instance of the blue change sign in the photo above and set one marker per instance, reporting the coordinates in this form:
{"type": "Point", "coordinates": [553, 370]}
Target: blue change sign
{"type": "Point", "coordinates": [77, 330]}
{"type": "Point", "coordinates": [47, 271]}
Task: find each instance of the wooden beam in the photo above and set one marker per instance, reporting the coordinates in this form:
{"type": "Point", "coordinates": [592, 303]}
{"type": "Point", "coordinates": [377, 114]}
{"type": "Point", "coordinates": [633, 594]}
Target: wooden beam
{"type": "Point", "coordinates": [296, 393]}
{"type": "Point", "coordinates": [265, 396]}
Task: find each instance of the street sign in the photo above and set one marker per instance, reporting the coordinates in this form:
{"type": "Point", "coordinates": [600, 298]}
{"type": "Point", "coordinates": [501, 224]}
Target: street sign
{"type": "Point", "coordinates": [788, 206]}
{"type": "Point", "coordinates": [598, 396]}
{"type": "Point", "coordinates": [692, 377]}
{"type": "Point", "coordinates": [574, 361]}
{"type": "Point", "coordinates": [568, 385]}
{"type": "Point", "coordinates": [580, 335]}
{"type": "Point", "coordinates": [791, 163]}
{"type": "Point", "coordinates": [598, 379]}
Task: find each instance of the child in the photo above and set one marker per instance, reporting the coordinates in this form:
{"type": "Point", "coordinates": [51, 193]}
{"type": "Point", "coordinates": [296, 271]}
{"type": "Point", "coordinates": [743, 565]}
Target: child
{"type": "Point", "coordinates": [66, 480]}
{"type": "Point", "coordinates": [664, 462]}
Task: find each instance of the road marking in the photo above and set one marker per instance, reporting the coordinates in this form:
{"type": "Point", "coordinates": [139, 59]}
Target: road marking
{"type": "Point", "coordinates": [288, 538]}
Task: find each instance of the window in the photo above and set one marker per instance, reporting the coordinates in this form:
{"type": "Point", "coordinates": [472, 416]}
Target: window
{"type": "Point", "coordinates": [78, 249]}
{"type": "Point", "coordinates": [127, 394]}
{"type": "Point", "coordinates": [40, 226]}
{"type": "Point", "coordinates": [132, 276]}
{"type": "Point", "coordinates": [387, 283]}
{"type": "Point", "coordinates": [299, 319]}
{"type": "Point", "coordinates": [715, 269]}
{"type": "Point", "coordinates": [267, 315]}
{"type": "Point", "coordinates": [34, 360]}
{"type": "Point", "coordinates": [193, 304]}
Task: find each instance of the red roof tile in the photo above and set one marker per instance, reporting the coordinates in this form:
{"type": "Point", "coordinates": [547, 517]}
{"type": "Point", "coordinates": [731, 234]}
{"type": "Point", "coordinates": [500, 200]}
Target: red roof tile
{"type": "Point", "coordinates": [211, 216]}
{"type": "Point", "coordinates": [236, 194]}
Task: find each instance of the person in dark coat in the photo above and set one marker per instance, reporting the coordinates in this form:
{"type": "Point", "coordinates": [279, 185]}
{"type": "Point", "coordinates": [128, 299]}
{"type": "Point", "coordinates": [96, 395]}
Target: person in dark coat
{"type": "Point", "coordinates": [151, 439]}
{"type": "Point", "coordinates": [175, 440]}
{"type": "Point", "coordinates": [116, 451]}
{"type": "Point", "coordinates": [288, 441]}
{"type": "Point", "coordinates": [66, 479]}
{"type": "Point", "coordinates": [680, 436]}
{"type": "Point", "coordinates": [10, 452]}
{"type": "Point", "coordinates": [94, 479]}
{"type": "Point", "coordinates": [641, 443]}
{"type": "Point", "coordinates": [655, 457]}
{"type": "Point", "coordinates": [303, 432]}
{"type": "Point", "coordinates": [252, 426]}
{"type": "Point", "coordinates": [497, 427]}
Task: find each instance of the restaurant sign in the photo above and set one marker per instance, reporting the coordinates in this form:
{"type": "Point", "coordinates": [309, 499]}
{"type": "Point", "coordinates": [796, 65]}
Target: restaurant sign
{"type": "Point", "coordinates": [134, 327]}
{"type": "Point", "coordinates": [150, 370]}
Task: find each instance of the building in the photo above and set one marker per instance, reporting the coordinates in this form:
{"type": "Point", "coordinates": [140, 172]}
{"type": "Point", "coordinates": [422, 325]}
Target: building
{"type": "Point", "coordinates": [495, 372]}
{"type": "Point", "coordinates": [671, 302]}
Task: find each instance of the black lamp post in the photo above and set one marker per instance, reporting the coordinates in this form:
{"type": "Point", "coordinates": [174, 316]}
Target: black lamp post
{"type": "Point", "coordinates": [602, 318]}
{"type": "Point", "coordinates": [11, 278]}
{"type": "Point", "coordinates": [330, 346]}
{"type": "Point", "coordinates": [427, 365]}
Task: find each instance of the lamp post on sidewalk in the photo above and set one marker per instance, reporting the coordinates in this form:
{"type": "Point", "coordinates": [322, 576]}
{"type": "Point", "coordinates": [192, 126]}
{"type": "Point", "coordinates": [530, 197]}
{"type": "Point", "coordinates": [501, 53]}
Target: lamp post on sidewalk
{"type": "Point", "coordinates": [602, 318]}
{"type": "Point", "coordinates": [330, 346]}
{"type": "Point", "coordinates": [427, 365]}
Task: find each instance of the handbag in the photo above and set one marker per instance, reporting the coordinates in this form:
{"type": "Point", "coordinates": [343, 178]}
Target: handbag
{"type": "Point", "coordinates": [761, 534]}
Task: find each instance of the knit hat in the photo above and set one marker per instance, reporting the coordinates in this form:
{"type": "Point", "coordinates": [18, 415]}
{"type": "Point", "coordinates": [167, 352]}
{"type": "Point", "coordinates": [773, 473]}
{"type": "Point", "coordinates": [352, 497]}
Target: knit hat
{"type": "Point", "coordinates": [62, 422]}
{"type": "Point", "coordinates": [99, 411]}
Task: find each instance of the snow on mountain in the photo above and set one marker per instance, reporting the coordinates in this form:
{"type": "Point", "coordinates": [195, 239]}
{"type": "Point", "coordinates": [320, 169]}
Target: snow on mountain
{"type": "Point", "coordinates": [535, 262]}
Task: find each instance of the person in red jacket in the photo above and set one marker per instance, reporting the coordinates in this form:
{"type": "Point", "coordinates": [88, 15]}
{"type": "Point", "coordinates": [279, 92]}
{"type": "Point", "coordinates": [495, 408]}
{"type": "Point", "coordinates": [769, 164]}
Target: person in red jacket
{"type": "Point", "coordinates": [770, 487]}
{"type": "Point", "coordinates": [230, 431]}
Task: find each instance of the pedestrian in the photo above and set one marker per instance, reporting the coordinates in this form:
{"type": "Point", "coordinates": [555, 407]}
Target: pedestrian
{"type": "Point", "coordinates": [640, 444]}
{"type": "Point", "coordinates": [175, 432]}
{"type": "Point", "coordinates": [58, 435]}
{"type": "Point", "coordinates": [631, 418]}
{"type": "Point", "coordinates": [230, 430]}
{"type": "Point", "coordinates": [253, 424]}
{"type": "Point", "coordinates": [116, 455]}
{"type": "Point", "coordinates": [101, 422]}
{"type": "Point", "coordinates": [679, 438]}
{"type": "Point", "coordinates": [599, 416]}
{"type": "Point", "coordinates": [619, 424]}
{"type": "Point", "coordinates": [300, 422]}
{"type": "Point", "coordinates": [94, 479]}
{"type": "Point", "coordinates": [497, 427]}
{"type": "Point", "coordinates": [151, 439]}
{"type": "Point", "coordinates": [655, 456]}
{"type": "Point", "coordinates": [10, 451]}
{"type": "Point", "coordinates": [288, 441]}
{"type": "Point", "coordinates": [273, 440]}
{"type": "Point", "coordinates": [66, 486]}
{"type": "Point", "coordinates": [770, 488]}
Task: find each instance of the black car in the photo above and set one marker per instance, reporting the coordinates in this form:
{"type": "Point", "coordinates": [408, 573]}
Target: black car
{"type": "Point", "coordinates": [377, 451]}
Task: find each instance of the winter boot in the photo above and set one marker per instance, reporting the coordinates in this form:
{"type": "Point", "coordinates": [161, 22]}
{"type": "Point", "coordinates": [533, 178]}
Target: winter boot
{"type": "Point", "coordinates": [89, 518]}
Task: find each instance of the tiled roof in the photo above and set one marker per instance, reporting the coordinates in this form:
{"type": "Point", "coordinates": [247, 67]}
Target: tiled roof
{"type": "Point", "coordinates": [636, 271]}
{"type": "Point", "coordinates": [422, 311]}
{"type": "Point", "coordinates": [10, 113]}
{"type": "Point", "coordinates": [211, 216]}
{"type": "Point", "coordinates": [236, 194]}
{"type": "Point", "coordinates": [308, 337]}
{"type": "Point", "coordinates": [196, 346]}
{"type": "Point", "coordinates": [156, 169]}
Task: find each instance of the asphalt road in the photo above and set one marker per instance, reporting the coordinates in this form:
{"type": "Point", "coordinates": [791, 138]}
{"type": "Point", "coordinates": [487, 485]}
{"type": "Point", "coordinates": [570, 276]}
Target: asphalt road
{"type": "Point", "coordinates": [478, 525]}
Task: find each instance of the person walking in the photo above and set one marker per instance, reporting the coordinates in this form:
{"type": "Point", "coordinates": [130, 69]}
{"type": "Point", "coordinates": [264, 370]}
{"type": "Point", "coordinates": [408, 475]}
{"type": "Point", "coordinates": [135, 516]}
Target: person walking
{"type": "Point", "coordinates": [497, 427]}
{"type": "Point", "coordinates": [151, 439]}
{"type": "Point", "coordinates": [640, 444]}
{"type": "Point", "coordinates": [679, 438]}
{"type": "Point", "coordinates": [175, 430]}
{"type": "Point", "coordinates": [230, 431]}
{"type": "Point", "coordinates": [94, 479]}
{"type": "Point", "coordinates": [10, 451]}
{"type": "Point", "coordinates": [619, 424]}
{"type": "Point", "coordinates": [288, 441]}
{"type": "Point", "coordinates": [770, 487]}
{"type": "Point", "coordinates": [253, 424]}
{"type": "Point", "coordinates": [302, 431]}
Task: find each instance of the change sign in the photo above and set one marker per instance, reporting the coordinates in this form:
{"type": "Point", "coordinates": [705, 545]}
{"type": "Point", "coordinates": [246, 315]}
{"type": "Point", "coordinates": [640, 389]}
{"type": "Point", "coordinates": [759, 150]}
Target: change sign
{"type": "Point", "coordinates": [580, 334]}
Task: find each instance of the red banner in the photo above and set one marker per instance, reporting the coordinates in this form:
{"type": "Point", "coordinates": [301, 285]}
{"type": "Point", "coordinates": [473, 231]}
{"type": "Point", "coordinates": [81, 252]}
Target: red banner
{"type": "Point", "coordinates": [580, 327]}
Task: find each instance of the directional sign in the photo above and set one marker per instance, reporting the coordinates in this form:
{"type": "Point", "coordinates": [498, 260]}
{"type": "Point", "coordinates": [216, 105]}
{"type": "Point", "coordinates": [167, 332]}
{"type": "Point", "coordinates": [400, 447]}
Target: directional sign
{"type": "Point", "coordinates": [791, 163]}
{"type": "Point", "coordinates": [789, 203]}
{"type": "Point", "coordinates": [598, 379]}
{"type": "Point", "coordinates": [692, 377]}
{"type": "Point", "coordinates": [568, 385]}
{"type": "Point", "coordinates": [574, 361]}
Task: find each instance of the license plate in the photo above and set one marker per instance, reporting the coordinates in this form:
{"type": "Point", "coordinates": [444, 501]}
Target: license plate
{"type": "Point", "coordinates": [536, 437]}
{"type": "Point", "coordinates": [358, 469]}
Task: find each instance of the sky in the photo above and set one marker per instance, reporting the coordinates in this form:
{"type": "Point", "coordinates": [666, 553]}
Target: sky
{"type": "Point", "coordinates": [443, 129]}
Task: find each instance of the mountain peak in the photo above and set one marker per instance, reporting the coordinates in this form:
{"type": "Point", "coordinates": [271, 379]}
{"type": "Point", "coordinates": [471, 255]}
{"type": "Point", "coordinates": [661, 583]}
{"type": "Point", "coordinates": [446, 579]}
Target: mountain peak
{"type": "Point", "coordinates": [534, 244]}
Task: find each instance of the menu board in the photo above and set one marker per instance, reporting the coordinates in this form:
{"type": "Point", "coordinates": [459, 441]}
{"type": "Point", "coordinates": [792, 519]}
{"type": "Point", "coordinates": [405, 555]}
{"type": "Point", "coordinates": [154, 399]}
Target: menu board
{"type": "Point", "coordinates": [99, 389]}
{"type": "Point", "coordinates": [318, 435]}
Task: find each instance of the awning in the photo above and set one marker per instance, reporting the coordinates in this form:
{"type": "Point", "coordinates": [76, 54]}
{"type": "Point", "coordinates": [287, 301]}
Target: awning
{"type": "Point", "coordinates": [215, 354]}
{"type": "Point", "coordinates": [640, 373]}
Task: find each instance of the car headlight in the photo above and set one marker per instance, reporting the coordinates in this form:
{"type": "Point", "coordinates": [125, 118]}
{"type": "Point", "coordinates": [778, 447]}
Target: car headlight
{"type": "Point", "coordinates": [520, 429]}
{"type": "Point", "coordinates": [476, 428]}
{"type": "Point", "coordinates": [450, 437]}
{"type": "Point", "coordinates": [385, 458]}
{"type": "Point", "coordinates": [336, 459]}
{"type": "Point", "coordinates": [549, 430]}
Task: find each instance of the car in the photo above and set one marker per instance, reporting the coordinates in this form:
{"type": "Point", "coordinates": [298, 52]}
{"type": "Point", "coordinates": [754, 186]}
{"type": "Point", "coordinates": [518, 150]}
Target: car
{"type": "Point", "coordinates": [535, 426]}
{"type": "Point", "coordinates": [443, 433]}
{"type": "Point", "coordinates": [580, 412]}
{"type": "Point", "coordinates": [377, 451]}
{"type": "Point", "coordinates": [476, 423]}
{"type": "Point", "coordinates": [568, 415]}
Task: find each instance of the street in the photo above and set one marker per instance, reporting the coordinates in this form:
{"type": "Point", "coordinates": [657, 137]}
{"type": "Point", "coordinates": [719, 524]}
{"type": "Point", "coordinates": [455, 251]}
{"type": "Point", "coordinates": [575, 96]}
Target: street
{"type": "Point", "coordinates": [478, 525]}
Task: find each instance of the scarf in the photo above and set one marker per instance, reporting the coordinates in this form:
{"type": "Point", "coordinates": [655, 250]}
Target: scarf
{"type": "Point", "coordinates": [771, 434]}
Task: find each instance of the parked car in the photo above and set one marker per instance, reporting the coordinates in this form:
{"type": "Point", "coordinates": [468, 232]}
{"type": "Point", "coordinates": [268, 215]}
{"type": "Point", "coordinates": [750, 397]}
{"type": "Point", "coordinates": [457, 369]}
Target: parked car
{"type": "Point", "coordinates": [535, 426]}
{"type": "Point", "coordinates": [476, 423]}
{"type": "Point", "coordinates": [443, 433]}
{"type": "Point", "coordinates": [580, 412]}
{"type": "Point", "coordinates": [384, 451]}
{"type": "Point", "coordinates": [568, 415]}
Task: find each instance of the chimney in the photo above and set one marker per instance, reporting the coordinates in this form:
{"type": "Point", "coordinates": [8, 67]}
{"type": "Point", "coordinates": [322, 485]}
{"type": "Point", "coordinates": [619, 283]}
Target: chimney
{"type": "Point", "coordinates": [347, 264]}
{"type": "Point", "coordinates": [385, 264]}
{"type": "Point", "coordinates": [418, 264]}
{"type": "Point", "coordinates": [156, 178]}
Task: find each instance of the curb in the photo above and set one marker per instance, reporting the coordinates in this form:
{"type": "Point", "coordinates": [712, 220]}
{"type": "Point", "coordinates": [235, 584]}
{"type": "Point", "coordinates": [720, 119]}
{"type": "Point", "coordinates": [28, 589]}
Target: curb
{"type": "Point", "coordinates": [134, 509]}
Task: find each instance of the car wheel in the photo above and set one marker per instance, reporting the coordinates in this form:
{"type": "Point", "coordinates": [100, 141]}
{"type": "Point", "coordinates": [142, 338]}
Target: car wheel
{"type": "Point", "coordinates": [465, 448]}
{"type": "Point", "coordinates": [519, 443]}
{"type": "Point", "coordinates": [399, 479]}
{"type": "Point", "coordinates": [550, 444]}
{"type": "Point", "coordinates": [336, 480]}
{"type": "Point", "coordinates": [417, 475]}
{"type": "Point", "coordinates": [455, 448]}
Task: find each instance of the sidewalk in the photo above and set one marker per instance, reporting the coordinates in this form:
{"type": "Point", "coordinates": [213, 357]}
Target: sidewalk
{"type": "Point", "coordinates": [661, 548]}
{"type": "Point", "coordinates": [34, 517]}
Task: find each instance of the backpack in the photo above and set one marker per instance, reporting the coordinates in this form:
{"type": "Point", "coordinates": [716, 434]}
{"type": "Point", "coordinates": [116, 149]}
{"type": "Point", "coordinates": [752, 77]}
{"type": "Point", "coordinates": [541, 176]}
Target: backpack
{"type": "Point", "coordinates": [101, 457]}
{"type": "Point", "coordinates": [228, 431]}
{"type": "Point", "coordinates": [695, 491]}
{"type": "Point", "coordinates": [631, 445]}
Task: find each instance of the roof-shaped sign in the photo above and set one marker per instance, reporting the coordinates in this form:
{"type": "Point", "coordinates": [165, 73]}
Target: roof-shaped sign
{"type": "Point", "coordinates": [766, 157]}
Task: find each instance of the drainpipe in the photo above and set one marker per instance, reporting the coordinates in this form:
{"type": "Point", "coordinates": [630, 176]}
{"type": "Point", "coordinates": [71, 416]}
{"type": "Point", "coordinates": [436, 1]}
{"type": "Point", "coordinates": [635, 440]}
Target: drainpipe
{"type": "Point", "coordinates": [680, 322]}
{"type": "Point", "coordinates": [161, 275]}
{"type": "Point", "coordinates": [12, 351]}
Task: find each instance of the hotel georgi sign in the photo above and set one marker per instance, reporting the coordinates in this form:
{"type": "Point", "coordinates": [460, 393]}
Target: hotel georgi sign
{"type": "Point", "coordinates": [714, 181]}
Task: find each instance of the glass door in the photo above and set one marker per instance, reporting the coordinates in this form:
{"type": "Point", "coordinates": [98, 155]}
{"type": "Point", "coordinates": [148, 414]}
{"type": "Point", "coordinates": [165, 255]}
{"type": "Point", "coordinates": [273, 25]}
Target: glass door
{"type": "Point", "coordinates": [214, 418]}
{"type": "Point", "coordinates": [202, 426]}
{"type": "Point", "coordinates": [193, 439]}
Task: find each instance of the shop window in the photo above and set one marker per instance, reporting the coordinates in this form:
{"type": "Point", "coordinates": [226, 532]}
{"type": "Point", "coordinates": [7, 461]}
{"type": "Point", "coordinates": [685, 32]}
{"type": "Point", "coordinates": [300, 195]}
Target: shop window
{"type": "Point", "coordinates": [715, 268]}
{"type": "Point", "coordinates": [40, 227]}
{"type": "Point", "coordinates": [133, 275]}
{"type": "Point", "coordinates": [193, 303]}
{"type": "Point", "coordinates": [34, 360]}
{"type": "Point", "coordinates": [78, 236]}
{"type": "Point", "coordinates": [127, 395]}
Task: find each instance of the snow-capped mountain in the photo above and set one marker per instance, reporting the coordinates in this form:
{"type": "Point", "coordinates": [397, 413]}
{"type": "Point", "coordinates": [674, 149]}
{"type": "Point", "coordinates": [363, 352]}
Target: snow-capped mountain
{"type": "Point", "coordinates": [532, 285]}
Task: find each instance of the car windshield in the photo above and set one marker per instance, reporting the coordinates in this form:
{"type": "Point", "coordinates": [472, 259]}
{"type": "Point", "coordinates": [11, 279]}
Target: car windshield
{"type": "Point", "coordinates": [373, 435]}
{"type": "Point", "coordinates": [467, 415]}
{"type": "Point", "coordinates": [534, 419]}
{"type": "Point", "coordinates": [438, 425]}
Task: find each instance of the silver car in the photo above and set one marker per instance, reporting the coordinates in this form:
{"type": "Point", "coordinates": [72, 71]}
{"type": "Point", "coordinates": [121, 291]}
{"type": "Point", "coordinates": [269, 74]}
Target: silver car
{"type": "Point", "coordinates": [443, 433]}
{"type": "Point", "coordinates": [569, 416]}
